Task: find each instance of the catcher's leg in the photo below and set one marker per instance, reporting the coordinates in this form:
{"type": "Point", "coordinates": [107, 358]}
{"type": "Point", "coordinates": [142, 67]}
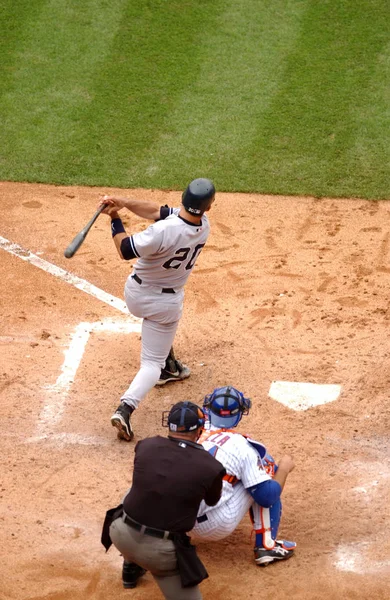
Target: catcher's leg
{"type": "Point", "coordinates": [266, 524]}
{"type": "Point", "coordinates": [218, 522]}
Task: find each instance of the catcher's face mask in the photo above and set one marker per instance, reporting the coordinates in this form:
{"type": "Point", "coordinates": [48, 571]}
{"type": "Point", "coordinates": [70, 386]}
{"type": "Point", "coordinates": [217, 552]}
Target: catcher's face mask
{"type": "Point", "coordinates": [225, 407]}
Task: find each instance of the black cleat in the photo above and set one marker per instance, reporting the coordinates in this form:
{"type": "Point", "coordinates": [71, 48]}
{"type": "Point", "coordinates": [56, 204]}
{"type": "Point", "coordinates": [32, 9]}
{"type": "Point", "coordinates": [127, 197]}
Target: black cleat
{"type": "Point", "coordinates": [131, 572]}
{"type": "Point", "coordinates": [121, 420]}
{"type": "Point", "coordinates": [281, 551]}
{"type": "Point", "coordinates": [176, 372]}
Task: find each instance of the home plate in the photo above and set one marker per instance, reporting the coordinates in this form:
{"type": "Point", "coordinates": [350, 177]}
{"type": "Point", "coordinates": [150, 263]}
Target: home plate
{"type": "Point", "coordinates": [301, 396]}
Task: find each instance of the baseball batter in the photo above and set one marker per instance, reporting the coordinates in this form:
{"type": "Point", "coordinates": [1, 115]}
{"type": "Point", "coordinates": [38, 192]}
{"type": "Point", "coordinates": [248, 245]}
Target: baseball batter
{"type": "Point", "coordinates": [253, 481]}
{"type": "Point", "coordinates": [166, 251]}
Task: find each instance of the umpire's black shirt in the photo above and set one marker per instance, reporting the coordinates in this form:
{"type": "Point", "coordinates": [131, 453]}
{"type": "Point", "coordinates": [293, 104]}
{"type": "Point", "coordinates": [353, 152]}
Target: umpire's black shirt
{"type": "Point", "coordinates": [170, 479]}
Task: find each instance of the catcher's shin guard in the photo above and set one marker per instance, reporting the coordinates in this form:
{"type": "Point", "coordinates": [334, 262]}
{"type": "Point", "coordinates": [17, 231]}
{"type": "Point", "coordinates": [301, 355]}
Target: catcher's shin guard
{"type": "Point", "coordinates": [266, 524]}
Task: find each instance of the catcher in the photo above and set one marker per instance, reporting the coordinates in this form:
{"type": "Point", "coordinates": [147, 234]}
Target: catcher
{"type": "Point", "coordinates": [253, 482]}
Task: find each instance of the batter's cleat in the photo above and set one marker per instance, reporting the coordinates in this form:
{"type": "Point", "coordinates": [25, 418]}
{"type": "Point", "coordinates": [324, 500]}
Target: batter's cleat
{"type": "Point", "coordinates": [131, 572]}
{"type": "Point", "coordinates": [121, 420]}
{"type": "Point", "coordinates": [281, 551]}
{"type": "Point", "coordinates": [177, 373]}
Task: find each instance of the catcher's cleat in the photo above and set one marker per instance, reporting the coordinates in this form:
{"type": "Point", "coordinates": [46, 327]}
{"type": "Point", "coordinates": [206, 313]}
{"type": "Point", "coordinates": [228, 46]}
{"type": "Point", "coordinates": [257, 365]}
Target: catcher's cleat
{"type": "Point", "coordinates": [177, 372]}
{"type": "Point", "coordinates": [131, 572]}
{"type": "Point", "coordinates": [281, 551]}
{"type": "Point", "coordinates": [121, 420]}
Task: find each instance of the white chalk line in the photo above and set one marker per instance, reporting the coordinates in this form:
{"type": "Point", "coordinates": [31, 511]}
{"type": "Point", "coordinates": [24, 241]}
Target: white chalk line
{"type": "Point", "coordinates": [362, 556]}
{"type": "Point", "coordinates": [56, 394]}
{"type": "Point", "coordinates": [357, 558]}
{"type": "Point", "coordinates": [77, 282]}
{"type": "Point", "coordinates": [55, 397]}
{"type": "Point", "coordinates": [64, 439]}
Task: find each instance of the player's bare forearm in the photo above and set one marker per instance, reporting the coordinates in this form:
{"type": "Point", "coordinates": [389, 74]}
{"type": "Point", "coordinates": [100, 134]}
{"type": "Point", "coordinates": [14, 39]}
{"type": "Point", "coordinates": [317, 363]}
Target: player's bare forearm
{"type": "Point", "coordinates": [146, 209]}
{"type": "Point", "coordinates": [281, 476]}
{"type": "Point", "coordinates": [285, 466]}
{"type": "Point", "coordinates": [117, 228]}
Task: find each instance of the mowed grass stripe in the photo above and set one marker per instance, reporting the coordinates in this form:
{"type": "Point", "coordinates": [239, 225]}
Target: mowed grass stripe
{"type": "Point", "coordinates": [93, 86]}
{"type": "Point", "coordinates": [154, 58]}
{"type": "Point", "coordinates": [208, 130]}
{"type": "Point", "coordinates": [369, 154]}
{"type": "Point", "coordinates": [13, 19]}
{"type": "Point", "coordinates": [281, 97]}
{"type": "Point", "coordinates": [55, 56]}
{"type": "Point", "coordinates": [316, 137]}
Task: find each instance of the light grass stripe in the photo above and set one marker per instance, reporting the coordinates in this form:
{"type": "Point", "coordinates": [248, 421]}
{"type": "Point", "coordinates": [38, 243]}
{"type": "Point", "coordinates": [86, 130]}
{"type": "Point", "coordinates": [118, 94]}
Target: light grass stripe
{"type": "Point", "coordinates": [213, 121]}
{"type": "Point", "coordinates": [373, 110]}
{"type": "Point", "coordinates": [57, 56]}
{"type": "Point", "coordinates": [306, 141]}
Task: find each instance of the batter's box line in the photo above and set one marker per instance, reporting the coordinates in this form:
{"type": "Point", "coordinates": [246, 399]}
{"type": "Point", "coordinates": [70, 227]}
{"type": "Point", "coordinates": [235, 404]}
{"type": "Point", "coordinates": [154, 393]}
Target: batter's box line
{"type": "Point", "coordinates": [56, 394]}
{"type": "Point", "coordinates": [77, 282]}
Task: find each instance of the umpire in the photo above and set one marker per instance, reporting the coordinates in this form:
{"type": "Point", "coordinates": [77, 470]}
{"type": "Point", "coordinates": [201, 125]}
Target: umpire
{"type": "Point", "coordinates": [171, 476]}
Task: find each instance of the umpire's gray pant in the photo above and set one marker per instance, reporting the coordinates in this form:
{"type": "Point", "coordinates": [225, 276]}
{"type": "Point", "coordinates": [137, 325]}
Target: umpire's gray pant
{"type": "Point", "coordinates": [155, 555]}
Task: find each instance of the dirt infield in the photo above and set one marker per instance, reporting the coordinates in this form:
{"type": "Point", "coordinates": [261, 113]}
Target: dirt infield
{"type": "Point", "coordinates": [286, 290]}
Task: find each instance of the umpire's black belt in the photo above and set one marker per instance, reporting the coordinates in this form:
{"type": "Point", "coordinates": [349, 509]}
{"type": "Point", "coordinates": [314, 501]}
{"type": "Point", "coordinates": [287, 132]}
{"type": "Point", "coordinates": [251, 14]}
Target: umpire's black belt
{"type": "Point", "coordinates": [158, 533]}
{"type": "Point", "coordinates": [164, 290]}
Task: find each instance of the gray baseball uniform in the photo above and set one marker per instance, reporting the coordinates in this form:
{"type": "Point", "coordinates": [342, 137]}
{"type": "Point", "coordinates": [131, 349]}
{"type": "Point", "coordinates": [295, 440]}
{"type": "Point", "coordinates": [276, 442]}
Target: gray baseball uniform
{"type": "Point", "coordinates": [167, 252]}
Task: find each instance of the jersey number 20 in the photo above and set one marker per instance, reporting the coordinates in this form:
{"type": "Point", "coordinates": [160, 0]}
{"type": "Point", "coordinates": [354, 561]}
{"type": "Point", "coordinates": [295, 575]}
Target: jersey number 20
{"type": "Point", "coordinates": [181, 255]}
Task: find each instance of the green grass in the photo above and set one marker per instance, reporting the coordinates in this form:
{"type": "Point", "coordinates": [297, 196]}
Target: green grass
{"type": "Point", "coordinates": [288, 96]}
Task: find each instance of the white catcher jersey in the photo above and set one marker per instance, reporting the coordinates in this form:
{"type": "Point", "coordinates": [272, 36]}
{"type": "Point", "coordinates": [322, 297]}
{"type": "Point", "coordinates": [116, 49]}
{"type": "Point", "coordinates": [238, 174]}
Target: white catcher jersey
{"type": "Point", "coordinates": [239, 458]}
{"type": "Point", "coordinates": [168, 249]}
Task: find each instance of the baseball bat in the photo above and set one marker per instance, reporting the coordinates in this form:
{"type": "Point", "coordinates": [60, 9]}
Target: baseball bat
{"type": "Point", "coordinates": [80, 237]}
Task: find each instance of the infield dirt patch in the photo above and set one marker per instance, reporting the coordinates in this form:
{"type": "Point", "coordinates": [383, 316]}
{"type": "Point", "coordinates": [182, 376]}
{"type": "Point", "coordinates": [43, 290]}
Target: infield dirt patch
{"type": "Point", "coordinates": [287, 289]}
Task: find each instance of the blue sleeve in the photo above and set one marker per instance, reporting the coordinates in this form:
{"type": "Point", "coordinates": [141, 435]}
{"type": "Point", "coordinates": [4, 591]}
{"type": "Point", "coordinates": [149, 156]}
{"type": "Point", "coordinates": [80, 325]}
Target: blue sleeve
{"type": "Point", "coordinates": [127, 250]}
{"type": "Point", "coordinates": [165, 211]}
{"type": "Point", "coordinates": [266, 493]}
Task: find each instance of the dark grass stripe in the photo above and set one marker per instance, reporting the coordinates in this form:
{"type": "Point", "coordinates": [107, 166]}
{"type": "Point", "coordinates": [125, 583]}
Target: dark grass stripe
{"type": "Point", "coordinates": [96, 93]}
{"type": "Point", "coordinates": [57, 52]}
{"type": "Point", "coordinates": [308, 141]}
{"type": "Point", "coordinates": [155, 56]}
{"type": "Point", "coordinates": [214, 120]}
{"type": "Point", "coordinates": [15, 17]}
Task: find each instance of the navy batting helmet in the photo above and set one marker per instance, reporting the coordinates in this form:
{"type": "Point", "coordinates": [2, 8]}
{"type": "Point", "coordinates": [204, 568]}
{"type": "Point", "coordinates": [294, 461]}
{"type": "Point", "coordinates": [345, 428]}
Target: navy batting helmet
{"type": "Point", "coordinates": [198, 196]}
{"type": "Point", "coordinates": [225, 407]}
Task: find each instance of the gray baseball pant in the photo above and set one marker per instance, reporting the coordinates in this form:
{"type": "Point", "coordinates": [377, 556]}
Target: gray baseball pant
{"type": "Point", "coordinates": [161, 315]}
{"type": "Point", "coordinates": [156, 555]}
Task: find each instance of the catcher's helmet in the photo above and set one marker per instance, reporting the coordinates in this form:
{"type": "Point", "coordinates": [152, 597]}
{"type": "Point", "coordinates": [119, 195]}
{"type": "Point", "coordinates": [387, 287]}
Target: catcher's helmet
{"type": "Point", "coordinates": [183, 417]}
{"type": "Point", "coordinates": [225, 407]}
{"type": "Point", "coordinates": [198, 196]}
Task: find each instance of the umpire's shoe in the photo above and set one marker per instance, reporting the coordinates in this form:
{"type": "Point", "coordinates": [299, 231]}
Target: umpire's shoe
{"type": "Point", "coordinates": [173, 371]}
{"type": "Point", "coordinates": [121, 420]}
{"type": "Point", "coordinates": [131, 572]}
{"type": "Point", "coordinates": [281, 551]}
